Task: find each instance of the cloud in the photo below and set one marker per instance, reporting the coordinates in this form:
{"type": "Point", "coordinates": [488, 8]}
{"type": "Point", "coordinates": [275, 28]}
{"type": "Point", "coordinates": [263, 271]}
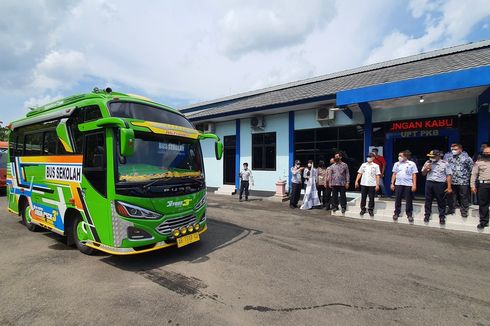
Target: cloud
{"type": "Point", "coordinates": [267, 26]}
{"type": "Point", "coordinates": [26, 34]}
{"type": "Point", "coordinates": [59, 70]}
{"type": "Point", "coordinates": [446, 23]}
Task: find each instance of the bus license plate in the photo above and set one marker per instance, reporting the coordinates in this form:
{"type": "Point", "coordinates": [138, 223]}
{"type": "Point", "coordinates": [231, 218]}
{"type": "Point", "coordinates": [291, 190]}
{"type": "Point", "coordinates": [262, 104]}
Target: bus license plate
{"type": "Point", "coordinates": [188, 239]}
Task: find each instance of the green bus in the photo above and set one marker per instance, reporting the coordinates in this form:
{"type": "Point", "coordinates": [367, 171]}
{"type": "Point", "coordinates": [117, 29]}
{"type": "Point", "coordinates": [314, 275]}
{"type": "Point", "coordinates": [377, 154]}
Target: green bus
{"type": "Point", "coordinates": [110, 171]}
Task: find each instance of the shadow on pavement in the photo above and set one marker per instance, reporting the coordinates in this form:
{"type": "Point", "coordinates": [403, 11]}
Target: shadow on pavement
{"type": "Point", "coordinates": [218, 236]}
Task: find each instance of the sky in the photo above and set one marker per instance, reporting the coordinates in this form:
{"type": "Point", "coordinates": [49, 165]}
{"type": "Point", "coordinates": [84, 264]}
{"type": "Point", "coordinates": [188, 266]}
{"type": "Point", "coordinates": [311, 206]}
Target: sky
{"type": "Point", "coordinates": [183, 52]}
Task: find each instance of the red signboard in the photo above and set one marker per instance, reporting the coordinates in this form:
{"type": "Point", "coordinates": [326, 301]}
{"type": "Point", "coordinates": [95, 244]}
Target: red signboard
{"type": "Point", "coordinates": [422, 124]}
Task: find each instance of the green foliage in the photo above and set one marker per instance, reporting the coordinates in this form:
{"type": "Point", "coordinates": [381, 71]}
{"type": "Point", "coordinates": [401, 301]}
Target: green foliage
{"type": "Point", "coordinates": [4, 133]}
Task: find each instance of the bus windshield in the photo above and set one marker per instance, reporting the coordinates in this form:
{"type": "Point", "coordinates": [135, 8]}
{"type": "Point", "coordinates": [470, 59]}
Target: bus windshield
{"type": "Point", "coordinates": [159, 157]}
{"type": "Point", "coordinates": [145, 112]}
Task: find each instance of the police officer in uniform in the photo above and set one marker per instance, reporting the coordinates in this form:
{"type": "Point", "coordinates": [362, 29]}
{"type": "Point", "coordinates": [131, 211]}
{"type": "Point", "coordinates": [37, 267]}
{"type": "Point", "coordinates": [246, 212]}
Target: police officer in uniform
{"type": "Point", "coordinates": [481, 175]}
{"type": "Point", "coordinates": [438, 183]}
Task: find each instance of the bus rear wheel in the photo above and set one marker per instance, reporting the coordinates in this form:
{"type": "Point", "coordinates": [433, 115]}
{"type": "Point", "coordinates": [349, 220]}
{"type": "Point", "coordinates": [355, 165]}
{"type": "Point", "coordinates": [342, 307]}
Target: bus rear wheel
{"type": "Point", "coordinates": [26, 219]}
{"type": "Point", "coordinates": [76, 232]}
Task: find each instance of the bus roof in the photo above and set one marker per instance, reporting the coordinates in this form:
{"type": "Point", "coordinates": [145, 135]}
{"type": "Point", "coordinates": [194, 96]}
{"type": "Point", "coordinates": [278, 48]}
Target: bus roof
{"type": "Point", "coordinates": [106, 94]}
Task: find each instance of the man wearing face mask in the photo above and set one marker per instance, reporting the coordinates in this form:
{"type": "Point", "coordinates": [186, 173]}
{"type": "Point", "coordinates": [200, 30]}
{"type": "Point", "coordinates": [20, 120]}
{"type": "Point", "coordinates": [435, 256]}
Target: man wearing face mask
{"type": "Point", "coordinates": [296, 182]}
{"type": "Point", "coordinates": [339, 182]}
{"type": "Point", "coordinates": [481, 176]}
{"type": "Point", "coordinates": [438, 183]}
{"type": "Point", "coordinates": [461, 165]}
{"type": "Point", "coordinates": [404, 184]}
{"type": "Point", "coordinates": [369, 174]}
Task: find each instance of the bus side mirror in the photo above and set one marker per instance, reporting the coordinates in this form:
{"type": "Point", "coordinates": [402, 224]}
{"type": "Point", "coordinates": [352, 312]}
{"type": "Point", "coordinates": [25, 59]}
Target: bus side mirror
{"type": "Point", "coordinates": [126, 142]}
{"type": "Point", "coordinates": [218, 146]}
{"type": "Point", "coordinates": [218, 150]}
{"type": "Point", "coordinates": [64, 136]}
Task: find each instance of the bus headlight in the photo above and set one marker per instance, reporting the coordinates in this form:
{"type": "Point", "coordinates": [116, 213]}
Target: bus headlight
{"type": "Point", "coordinates": [176, 233]}
{"type": "Point", "coordinates": [196, 226]}
{"type": "Point", "coordinates": [128, 210]}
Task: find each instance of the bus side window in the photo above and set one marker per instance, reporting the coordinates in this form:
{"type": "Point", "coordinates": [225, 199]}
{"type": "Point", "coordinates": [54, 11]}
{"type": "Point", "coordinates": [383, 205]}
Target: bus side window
{"type": "Point", "coordinates": [94, 161]}
{"type": "Point", "coordinates": [32, 144]}
{"type": "Point", "coordinates": [85, 114]}
{"type": "Point", "coordinates": [13, 139]}
{"type": "Point", "coordinates": [52, 144]}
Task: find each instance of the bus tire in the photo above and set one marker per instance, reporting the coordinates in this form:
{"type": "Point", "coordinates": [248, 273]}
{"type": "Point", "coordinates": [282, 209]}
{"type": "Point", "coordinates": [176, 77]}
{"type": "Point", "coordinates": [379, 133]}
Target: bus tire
{"type": "Point", "coordinates": [30, 226]}
{"type": "Point", "coordinates": [74, 234]}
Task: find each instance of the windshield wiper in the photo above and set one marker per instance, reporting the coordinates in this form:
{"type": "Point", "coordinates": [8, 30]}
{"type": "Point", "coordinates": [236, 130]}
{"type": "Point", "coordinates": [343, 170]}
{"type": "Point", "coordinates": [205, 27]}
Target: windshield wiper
{"type": "Point", "coordinates": [151, 183]}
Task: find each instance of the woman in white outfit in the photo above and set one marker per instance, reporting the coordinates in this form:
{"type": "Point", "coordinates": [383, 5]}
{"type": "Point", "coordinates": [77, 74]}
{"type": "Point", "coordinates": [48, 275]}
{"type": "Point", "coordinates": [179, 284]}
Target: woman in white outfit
{"type": "Point", "coordinates": [311, 194]}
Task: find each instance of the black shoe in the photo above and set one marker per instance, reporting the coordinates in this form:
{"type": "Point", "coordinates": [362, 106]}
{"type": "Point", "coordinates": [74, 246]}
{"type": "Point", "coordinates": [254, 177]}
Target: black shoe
{"type": "Point", "coordinates": [465, 215]}
{"type": "Point", "coordinates": [334, 209]}
{"type": "Point", "coordinates": [449, 212]}
{"type": "Point", "coordinates": [426, 219]}
{"type": "Point", "coordinates": [481, 226]}
{"type": "Point", "coordinates": [442, 221]}
{"type": "Point", "coordinates": [292, 206]}
{"type": "Point", "coordinates": [363, 211]}
{"type": "Point", "coordinates": [246, 199]}
{"type": "Point", "coordinates": [342, 210]}
{"type": "Point", "coordinates": [371, 213]}
{"type": "Point", "coordinates": [410, 218]}
{"type": "Point", "coordinates": [395, 217]}
{"type": "Point", "coordinates": [239, 199]}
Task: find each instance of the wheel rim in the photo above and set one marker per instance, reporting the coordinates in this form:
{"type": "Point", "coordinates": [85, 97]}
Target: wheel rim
{"type": "Point", "coordinates": [80, 234]}
{"type": "Point", "coordinates": [27, 215]}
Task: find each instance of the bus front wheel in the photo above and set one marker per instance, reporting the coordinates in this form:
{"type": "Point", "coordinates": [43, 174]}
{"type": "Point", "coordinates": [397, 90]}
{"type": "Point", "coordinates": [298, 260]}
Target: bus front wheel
{"type": "Point", "coordinates": [77, 234]}
{"type": "Point", "coordinates": [26, 219]}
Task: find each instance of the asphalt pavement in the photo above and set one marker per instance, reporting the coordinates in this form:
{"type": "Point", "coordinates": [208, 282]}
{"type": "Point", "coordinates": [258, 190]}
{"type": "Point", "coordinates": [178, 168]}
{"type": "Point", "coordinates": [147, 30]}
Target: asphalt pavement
{"type": "Point", "coordinates": [260, 263]}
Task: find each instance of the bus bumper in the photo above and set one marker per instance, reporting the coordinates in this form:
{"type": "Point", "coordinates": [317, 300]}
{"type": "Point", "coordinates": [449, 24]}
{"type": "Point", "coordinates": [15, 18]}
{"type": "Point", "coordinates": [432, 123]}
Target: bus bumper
{"type": "Point", "coordinates": [132, 251]}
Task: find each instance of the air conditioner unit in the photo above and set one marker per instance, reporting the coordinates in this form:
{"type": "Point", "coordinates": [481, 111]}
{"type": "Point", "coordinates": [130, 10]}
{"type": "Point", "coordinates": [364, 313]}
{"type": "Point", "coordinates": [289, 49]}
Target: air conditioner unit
{"type": "Point", "coordinates": [257, 123]}
{"type": "Point", "coordinates": [206, 127]}
{"type": "Point", "coordinates": [325, 115]}
{"type": "Point", "coordinates": [209, 127]}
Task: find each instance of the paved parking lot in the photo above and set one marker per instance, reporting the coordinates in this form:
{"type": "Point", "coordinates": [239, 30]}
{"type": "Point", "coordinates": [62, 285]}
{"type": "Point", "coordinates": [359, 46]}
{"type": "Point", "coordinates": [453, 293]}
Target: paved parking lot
{"type": "Point", "coordinates": [259, 263]}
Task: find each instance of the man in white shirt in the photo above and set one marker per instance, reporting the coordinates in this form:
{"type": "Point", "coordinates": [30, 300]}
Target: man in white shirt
{"type": "Point", "coordinates": [404, 183]}
{"type": "Point", "coordinates": [245, 178]}
{"type": "Point", "coordinates": [369, 174]}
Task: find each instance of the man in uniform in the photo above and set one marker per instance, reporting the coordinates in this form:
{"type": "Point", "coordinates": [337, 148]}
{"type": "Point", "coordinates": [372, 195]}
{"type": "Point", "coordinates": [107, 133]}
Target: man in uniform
{"type": "Point", "coordinates": [481, 176]}
{"type": "Point", "coordinates": [438, 183]}
{"type": "Point", "coordinates": [404, 184]}
{"type": "Point", "coordinates": [461, 165]}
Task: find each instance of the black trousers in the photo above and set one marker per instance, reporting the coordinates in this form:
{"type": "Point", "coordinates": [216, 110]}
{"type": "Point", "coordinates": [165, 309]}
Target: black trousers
{"type": "Point", "coordinates": [322, 194]}
{"type": "Point", "coordinates": [483, 201]}
{"type": "Point", "coordinates": [435, 190]}
{"type": "Point", "coordinates": [460, 194]}
{"type": "Point", "coordinates": [295, 194]}
{"type": "Point", "coordinates": [365, 192]}
{"type": "Point", "coordinates": [244, 187]}
{"type": "Point", "coordinates": [403, 192]}
{"type": "Point", "coordinates": [343, 199]}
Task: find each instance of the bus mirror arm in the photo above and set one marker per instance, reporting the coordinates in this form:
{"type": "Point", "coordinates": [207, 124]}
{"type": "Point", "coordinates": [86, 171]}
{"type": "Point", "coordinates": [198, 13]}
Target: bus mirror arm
{"type": "Point", "coordinates": [218, 146]}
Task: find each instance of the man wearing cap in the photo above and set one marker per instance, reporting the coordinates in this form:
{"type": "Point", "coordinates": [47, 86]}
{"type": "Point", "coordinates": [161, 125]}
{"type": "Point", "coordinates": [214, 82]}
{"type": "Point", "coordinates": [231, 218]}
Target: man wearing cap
{"type": "Point", "coordinates": [461, 165]}
{"type": "Point", "coordinates": [481, 176]}
{"type": "Point", "coordinates": [438, 183]}
{"type": "Point", "coordinates": [296, 172]}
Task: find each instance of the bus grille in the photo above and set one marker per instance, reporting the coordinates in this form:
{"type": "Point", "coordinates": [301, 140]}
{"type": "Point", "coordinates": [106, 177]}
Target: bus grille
{"type": "Point", "coordinates": [167, 226]}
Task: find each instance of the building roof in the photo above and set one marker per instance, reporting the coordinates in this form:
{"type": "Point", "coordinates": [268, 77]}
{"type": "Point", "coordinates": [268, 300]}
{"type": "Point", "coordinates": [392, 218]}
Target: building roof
{"type": "Point", "coordinates": [435, 62]}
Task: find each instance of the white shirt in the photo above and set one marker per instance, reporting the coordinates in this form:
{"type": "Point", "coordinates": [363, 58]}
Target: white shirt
{"type": "Point", "coordinates": [369, 172]}
{"type": "Point", "coordinates": [246, 175]}
{"type": "Point", "coordinates": [404, 171]}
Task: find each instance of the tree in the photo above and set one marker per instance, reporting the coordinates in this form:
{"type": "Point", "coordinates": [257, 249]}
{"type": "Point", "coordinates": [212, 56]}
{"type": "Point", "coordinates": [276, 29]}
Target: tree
{"type": "Point", "coordinates": [4, 133]}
